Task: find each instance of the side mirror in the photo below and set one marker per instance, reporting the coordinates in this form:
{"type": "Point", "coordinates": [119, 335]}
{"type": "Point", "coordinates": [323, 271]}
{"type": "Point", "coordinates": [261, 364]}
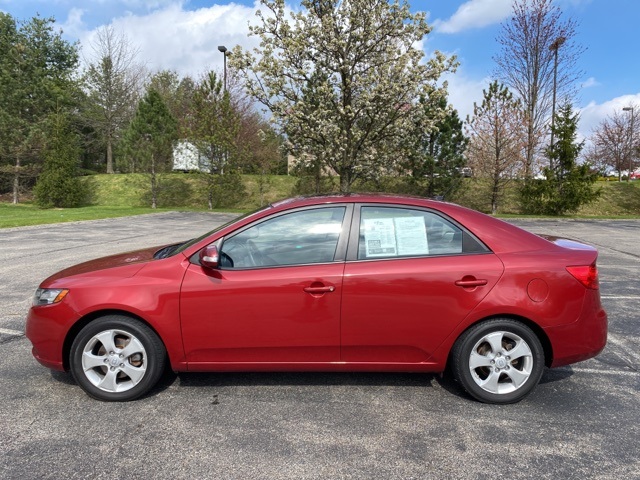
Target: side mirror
{"type": "Point", "coordinates": [209, 256]}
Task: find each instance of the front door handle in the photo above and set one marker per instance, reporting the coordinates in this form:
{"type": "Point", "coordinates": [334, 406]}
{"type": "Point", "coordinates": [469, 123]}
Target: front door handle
{"type": "Point", "coordinates": [319, 290]}
{"type": "Point", "coordinates": [469, 281]}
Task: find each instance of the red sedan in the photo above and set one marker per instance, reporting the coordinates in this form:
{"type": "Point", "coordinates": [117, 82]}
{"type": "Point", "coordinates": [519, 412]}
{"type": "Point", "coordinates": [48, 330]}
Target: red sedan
{"type": "Point", "coordinates": [340, 283]}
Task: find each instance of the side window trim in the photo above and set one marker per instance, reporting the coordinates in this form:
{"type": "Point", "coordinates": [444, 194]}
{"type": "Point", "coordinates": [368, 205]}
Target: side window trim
{"type": "Point", "coordinates": [354, 235]}
{"type": "Point", "coordinates": [341, 247]}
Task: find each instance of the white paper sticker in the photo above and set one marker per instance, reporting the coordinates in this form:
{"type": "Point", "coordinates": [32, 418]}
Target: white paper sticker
{"type": "Point", "coordinates": [411, 236]}
{"type": "Point", "coordinates": [379, 237]}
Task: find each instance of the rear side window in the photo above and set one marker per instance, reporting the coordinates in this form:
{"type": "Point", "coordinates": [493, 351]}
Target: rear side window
{"type": "Point", "coordinates": [388, 232]}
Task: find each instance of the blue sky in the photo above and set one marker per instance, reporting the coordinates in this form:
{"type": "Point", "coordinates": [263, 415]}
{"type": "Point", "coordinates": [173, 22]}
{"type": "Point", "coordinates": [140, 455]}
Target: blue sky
{"type": "Point", "coordinates": [183, 35]}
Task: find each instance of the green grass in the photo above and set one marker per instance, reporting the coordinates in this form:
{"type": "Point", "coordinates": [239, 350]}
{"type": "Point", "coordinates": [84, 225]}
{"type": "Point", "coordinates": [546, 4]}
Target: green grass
{"type": "Point", "coordinates": [28, 214]}
{"type": "Point", "coordinates": [617, 200]}
{"type": "Point", "coordinates": [125, 195]}
{"type": "Point", "coordinates": [183, 190]}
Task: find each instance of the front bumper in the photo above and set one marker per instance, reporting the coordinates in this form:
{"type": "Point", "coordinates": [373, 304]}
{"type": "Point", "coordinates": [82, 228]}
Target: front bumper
{"type": "Point", "coordinates": [46, 328]}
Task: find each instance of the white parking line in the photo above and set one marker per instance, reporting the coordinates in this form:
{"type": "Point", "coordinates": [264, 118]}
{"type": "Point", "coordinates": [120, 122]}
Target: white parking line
{"type": "Point", "coordinates": [7, 331]}
{"type": "Point", "coordinates": [625, 345]}
{"type": "Point", "coordinates": [597, 371]}
{"type": "Point", "coordinates": [622, 297]}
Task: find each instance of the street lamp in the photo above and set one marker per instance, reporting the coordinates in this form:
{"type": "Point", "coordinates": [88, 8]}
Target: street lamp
{"type": "Point", "coordinates": [554, 48]}
{"type": "Point", "coordinates": [225, 53]}
{"type": "Point", "coordinates": [630, 109]}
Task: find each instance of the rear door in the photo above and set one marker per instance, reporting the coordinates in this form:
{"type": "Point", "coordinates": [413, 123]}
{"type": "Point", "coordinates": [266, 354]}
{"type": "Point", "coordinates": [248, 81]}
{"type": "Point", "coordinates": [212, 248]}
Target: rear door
{"type": "Point", "coordinates": [412, 275]}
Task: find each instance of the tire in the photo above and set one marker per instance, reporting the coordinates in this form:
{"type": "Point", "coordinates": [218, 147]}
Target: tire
{"type": "Point", "coordinates": [498, 361]}
{"type": "Point", "coordinates": [117, 358]}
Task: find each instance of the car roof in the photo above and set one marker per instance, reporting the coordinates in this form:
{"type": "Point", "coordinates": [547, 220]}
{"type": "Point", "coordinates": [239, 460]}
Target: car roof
{"type": "Point", "coordinates": [354, 198]}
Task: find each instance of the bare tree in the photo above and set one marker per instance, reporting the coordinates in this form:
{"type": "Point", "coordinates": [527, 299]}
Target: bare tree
{"type": "Point", "coordinates": [538, 59]}
{"type": "Point", "coordinates": [613, 141]}
{"type": "Point", "coordinates": [496, 139]}
{"type": "Point", "coordinates": [114, 82]}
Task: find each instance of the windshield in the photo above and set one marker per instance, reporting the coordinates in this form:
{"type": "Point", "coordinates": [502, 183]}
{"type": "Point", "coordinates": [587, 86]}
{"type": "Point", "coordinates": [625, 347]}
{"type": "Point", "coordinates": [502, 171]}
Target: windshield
{"type": "Point", "coordinates": [183, 246]}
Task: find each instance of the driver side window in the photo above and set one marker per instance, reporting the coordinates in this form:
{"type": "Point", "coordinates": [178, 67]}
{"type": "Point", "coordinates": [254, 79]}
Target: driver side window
{"type": "Point", "coordinates": [304, 237]}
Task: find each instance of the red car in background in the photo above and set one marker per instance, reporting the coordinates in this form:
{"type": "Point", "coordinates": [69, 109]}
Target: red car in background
{"type": "Point", "coordinates": [336, 283]}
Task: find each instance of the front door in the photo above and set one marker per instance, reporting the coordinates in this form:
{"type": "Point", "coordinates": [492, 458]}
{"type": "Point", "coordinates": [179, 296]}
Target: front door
{"type": "Point", "coordinates": [275, 298]}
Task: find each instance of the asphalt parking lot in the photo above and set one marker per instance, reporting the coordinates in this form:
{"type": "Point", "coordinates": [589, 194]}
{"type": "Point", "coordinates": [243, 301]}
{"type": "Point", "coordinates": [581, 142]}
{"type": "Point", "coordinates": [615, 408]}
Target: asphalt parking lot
{"type": "Point", "coordinates": [581, 422]}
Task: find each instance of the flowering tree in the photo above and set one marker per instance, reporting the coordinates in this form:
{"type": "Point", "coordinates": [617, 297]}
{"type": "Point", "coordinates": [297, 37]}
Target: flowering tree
{"type": "Point", "coordinates": [342, 78]}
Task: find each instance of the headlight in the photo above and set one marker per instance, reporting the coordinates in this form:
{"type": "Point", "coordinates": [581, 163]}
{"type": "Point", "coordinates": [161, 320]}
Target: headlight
{"type": "Point", "coordinates": [47, 296]}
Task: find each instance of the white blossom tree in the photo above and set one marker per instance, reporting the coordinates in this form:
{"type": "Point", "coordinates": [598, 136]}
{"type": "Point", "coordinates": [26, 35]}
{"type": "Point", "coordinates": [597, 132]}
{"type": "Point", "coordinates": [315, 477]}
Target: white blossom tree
{"type": "Point", "coordinates": [342, 79]}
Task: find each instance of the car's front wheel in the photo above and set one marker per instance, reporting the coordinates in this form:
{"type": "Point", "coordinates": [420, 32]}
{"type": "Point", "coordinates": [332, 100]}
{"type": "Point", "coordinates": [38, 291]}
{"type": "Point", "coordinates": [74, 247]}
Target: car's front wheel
{"type": "Point", "coordinates": [117, 358]}
{"type": "Point", "coordinates": [498, 361]}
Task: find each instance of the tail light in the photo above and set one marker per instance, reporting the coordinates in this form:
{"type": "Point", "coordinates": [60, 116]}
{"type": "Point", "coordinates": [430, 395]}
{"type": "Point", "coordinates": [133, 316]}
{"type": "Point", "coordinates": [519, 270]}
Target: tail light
{"type": "Point", "coordinates": [586, 275]}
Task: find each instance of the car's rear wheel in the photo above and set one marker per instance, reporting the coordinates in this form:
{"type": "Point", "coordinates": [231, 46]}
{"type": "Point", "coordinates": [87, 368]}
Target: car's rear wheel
{"type": "Point", "coordinates": [498, 361]}
{"type": "Point", "coordinates": [117, 358]}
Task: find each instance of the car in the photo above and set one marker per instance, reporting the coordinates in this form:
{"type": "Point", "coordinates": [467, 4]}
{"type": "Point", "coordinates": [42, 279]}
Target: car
{"type": "Point", "coordinates": [635, 175]}
{"type": "Point", "coordinates": [352, 282]}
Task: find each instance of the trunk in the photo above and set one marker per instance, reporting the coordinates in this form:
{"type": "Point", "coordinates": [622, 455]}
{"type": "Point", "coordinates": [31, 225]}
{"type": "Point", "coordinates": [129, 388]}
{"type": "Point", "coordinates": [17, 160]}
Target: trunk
{"type": "Point", "coordinates": [210, 195]}
{"type": "Point", "coordinates": [494, 197]}
{"type": "Point", "coordinates": [345, 184]}
{"type": "Point", "coordinates": [16, 181]}
{"type": "Point", "coordinates": [154, 186]}
{"type": "Point", "coordinates": [109, 156]}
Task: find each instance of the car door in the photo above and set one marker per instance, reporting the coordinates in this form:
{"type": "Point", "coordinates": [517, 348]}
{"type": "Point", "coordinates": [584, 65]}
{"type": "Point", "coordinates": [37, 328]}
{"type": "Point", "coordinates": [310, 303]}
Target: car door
{"type": "Point", "coordinates": [412, 275]}
{"type": "Point", "coordinates": [275, 297]}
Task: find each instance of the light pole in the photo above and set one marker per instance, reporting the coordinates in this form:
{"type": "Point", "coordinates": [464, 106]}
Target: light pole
{"type": "Point", "coordinates": [630, 109]}
{"type": "Point", "coordinates": [225, 52]}
{"type": "Point", "coordinates": [554, 47]}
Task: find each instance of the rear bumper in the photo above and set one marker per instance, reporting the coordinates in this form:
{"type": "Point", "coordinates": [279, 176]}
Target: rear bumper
{"type": "Point", "coordinates": [582, 339]}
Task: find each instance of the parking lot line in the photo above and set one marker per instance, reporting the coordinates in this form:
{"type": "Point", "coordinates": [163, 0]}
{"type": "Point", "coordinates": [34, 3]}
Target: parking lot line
{"type": "Point", "coordinates": [7, 331]}
{"type": "Point", "coordinates": [621, 297]}
{"type": "Point", "coordinates": [597, 371]}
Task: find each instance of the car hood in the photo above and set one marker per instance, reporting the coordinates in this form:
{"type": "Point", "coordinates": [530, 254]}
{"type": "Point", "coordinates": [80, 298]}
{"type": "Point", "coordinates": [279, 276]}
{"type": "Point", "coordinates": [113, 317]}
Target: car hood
{"type": "Point", "coordinates": [130, 263]}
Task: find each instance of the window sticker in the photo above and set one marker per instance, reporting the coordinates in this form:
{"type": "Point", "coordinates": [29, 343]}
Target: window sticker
{"type": "Point", "coordinates": [411, 236]}
{"type": "Point", "coordinates": [390, 237]}
{"type": "Point", "coordinates": [379, 237]}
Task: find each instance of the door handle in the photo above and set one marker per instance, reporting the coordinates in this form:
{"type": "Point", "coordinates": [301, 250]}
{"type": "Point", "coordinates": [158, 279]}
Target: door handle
{"type": "Point", "coordinates": [470, 282]}
{"type": "Point", "coordinates": [319, 290]}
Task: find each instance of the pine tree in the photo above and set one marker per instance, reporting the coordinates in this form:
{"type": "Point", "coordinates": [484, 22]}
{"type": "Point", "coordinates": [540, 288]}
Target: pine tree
{"type": "Point", "coordinates": [567, 186]}
{"type": "Point", "coordinates": [149, 138]}
{"type": "Point", "coordinates": [59, 185]}
{"type": "Point", "coordinates": [215, 126]}
{"type": "Point", "coordinates": [435, 163]}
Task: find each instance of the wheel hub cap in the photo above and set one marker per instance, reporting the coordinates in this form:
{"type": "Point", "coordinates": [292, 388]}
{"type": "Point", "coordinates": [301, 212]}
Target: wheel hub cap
{"type": "Point", "coordinates": [501, 362]}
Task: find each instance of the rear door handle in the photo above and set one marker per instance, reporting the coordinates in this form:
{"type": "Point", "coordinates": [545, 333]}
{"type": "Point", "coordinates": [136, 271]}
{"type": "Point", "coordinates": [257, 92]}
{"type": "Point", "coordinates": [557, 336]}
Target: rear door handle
{"type": "Point", "coordinates": [470, 282]}
{"type": "Point", "coordinates": [319, 290]}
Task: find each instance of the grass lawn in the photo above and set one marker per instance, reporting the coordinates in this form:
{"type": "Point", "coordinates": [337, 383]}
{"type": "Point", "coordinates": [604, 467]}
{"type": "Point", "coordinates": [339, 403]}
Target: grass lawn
{"type": "Point", "coordinates": [27, 214]}
{"type": "Point", "coordinates": [125, 195]}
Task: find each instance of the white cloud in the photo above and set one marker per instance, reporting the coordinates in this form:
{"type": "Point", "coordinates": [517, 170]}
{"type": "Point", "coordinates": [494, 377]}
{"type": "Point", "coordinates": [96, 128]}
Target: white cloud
{"type": "Point", "coordinates": [590, 82]}
{"type": "Point", "coordinates": [174, 38]}
{"type": "Point", "coordinates": [475, 14]}
{"type": "Point", "coordinates": [594, 113]}
{"type": "Point", "coordinates": [465, 91]}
